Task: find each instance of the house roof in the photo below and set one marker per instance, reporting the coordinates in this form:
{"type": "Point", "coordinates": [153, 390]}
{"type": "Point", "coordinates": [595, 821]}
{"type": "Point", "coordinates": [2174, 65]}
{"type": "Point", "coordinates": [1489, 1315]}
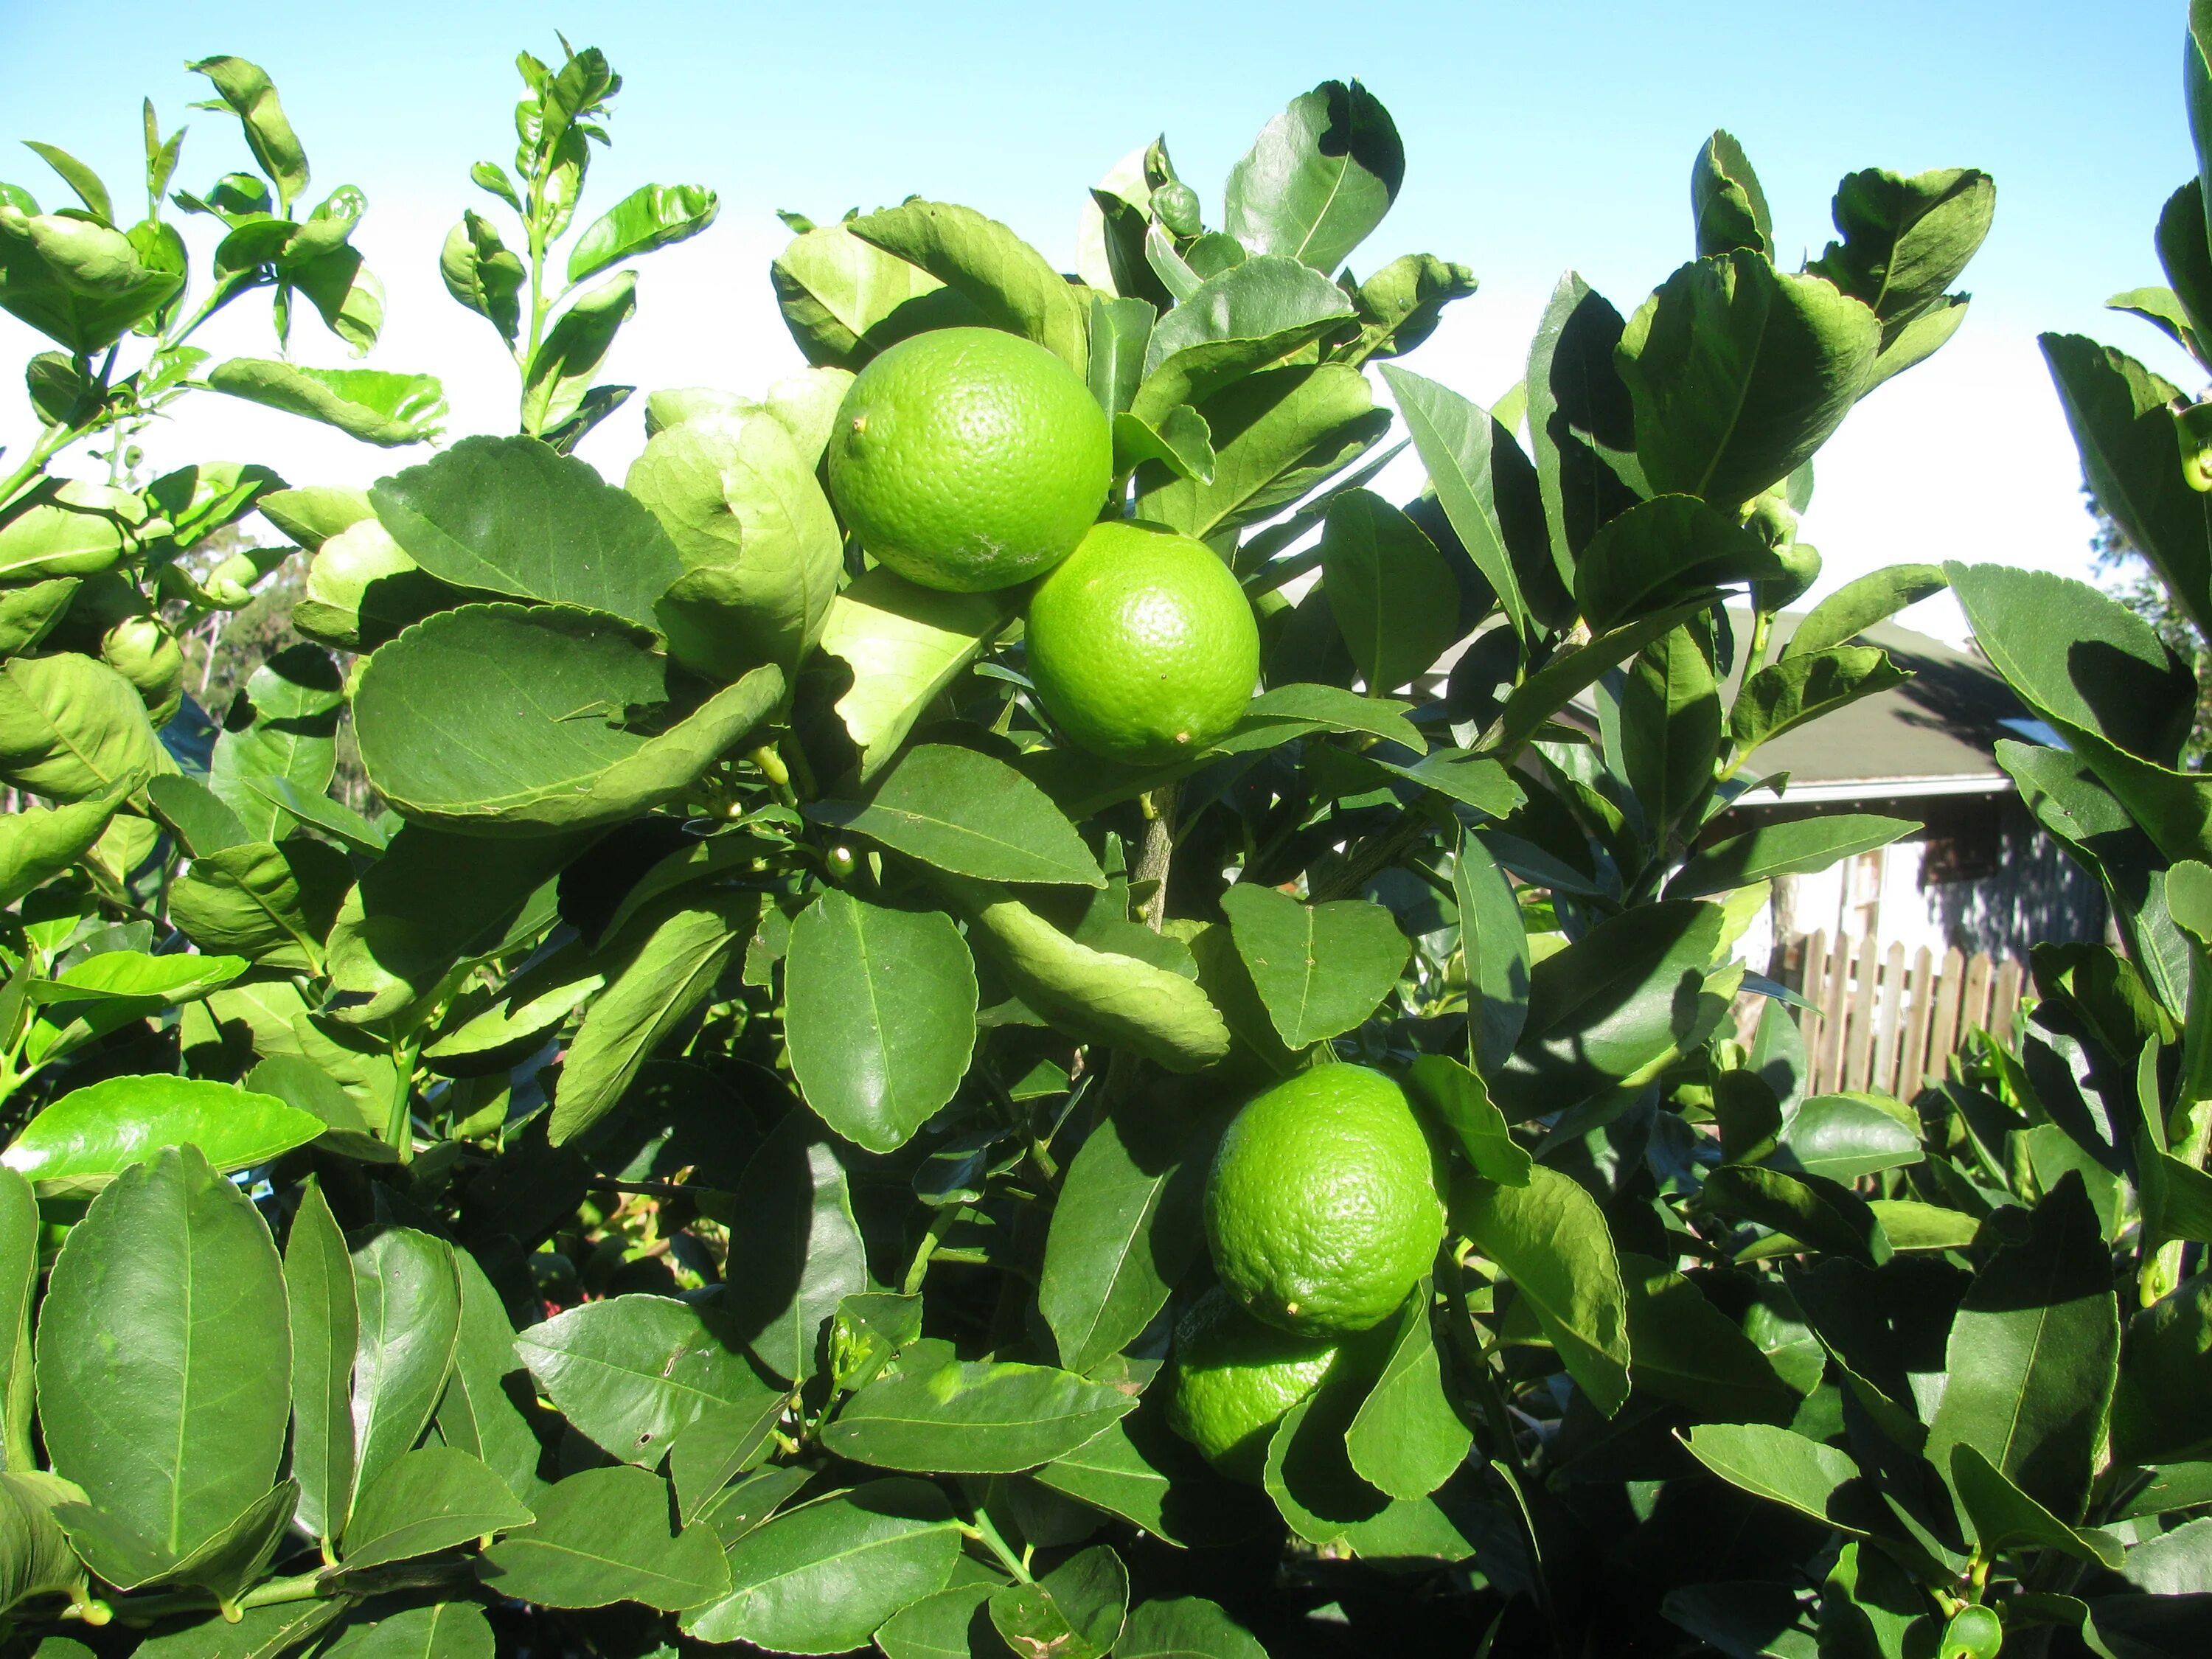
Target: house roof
{"type": "Point", "coordinates": [1934, 735]}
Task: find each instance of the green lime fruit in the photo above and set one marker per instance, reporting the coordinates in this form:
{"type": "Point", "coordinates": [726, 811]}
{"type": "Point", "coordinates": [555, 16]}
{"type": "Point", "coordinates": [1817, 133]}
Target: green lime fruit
{"type": "Point", "coordinates": [1234, 1379]}
{"type": "Point", "coordinates": [1142, 644]}
{"type": "Point", "coordinates": [1321, 1206]}
{"type": "Point", "coordinates": [968, 459]}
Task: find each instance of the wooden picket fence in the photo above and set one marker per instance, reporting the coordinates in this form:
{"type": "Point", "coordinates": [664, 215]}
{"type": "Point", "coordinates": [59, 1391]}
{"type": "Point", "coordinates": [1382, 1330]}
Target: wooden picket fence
{"type": "Point", "coordinates": [1884, 1026]}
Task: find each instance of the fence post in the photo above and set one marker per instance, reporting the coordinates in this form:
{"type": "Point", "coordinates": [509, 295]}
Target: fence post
{"type": "Point", "coordinates": [1860, 1062]}
{"type": "Point", "coordinates": [1884, 1040]}
{"type": "Point", "coordinates": [1828, 1061]}
{"type": "Point", "coordinates": [1912, 1066]}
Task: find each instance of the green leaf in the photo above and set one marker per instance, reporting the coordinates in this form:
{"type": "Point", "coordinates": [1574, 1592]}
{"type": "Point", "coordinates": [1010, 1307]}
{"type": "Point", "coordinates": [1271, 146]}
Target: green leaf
{"type": "Point", "coordinates": [261, 1633]}
{"type": "Point", "coordinates": [326, 1321]}
{"type": "Point", "coordinates": [1319, 178]}
{"type": "Point", "coordinates": [1739, 373]}
{"type": "Point", "coordinates": [760, 549]}
{"type": "Point", "coordinates": [1670, 732]}
{"type": "Point", "coordinates": [478, 1415]}
{"type": "Point", "coordinates": [942, 1626]}
{"type": "Point", "coordinates": [503, 718]}
{"type": "Point", "coordinates": [1405, 1439]}
{"type": "Point", "coordinates": [409, 1292]}
{"type": "Point", "coordinates": [1860, 604]}
{"type": "Point", "coordinates": [79, 177]}
{"type": "Point", "coordinates": [1578, 400]}
{"type": "Point", "coordinates": [1320, 968]}
{"type": "Point", "coordinates": [372, 404]}
{"type": "Point", "coordinates": [1454, 1098]}
{"type": "Point", "coordinates": [1811, 1210]}
{"type": "Point", "coordinates": [284, 727]}
{"type": "Point", "coordinates": [1401, 305]}
{"type": "Point", "coordinates": [1392, 594]}
{"type": "Point", "coordinates": [1273, 436]}
{"type": "Point", "coordinates": [1185, 1627]}
{"type": "Point", "coordinates": [272, 905]}
{"type": "Point", "coordinates": [2033, 1356]}
{"type": "Point", "coordinates": [1119, 331]}
{"type": "Point", "coordinates": [1570, 673]}
{"type": "Point", "coordinates": [606, 1536]}
{"type": "Point", "coordinates": [822, 1578]}
{"type": "Point", "coordinates": [1845, 1136]}
{"type": "Point", "coordinates": [962, 811]}
{"type": "Point", "coordinates": [248, 90]}
{"type": "Point", "coordinates": [432, 1498]}
{"type": "Point", "coordinates": [1456, 441]}
{"type": "Point", "coordinates": [802, 1249]}
{"type": "Point", "coordinates": [1494, 944]}
{"type": "Point", "coordinates": [1905, 241]}
{"type": "Point", "coordinates": [844, 300]}
{"type": "Point", "coordinates": [35, 1557]}
{"type": "Point", "coordinates": [1333, 708]}
{"type": "Point", "coordinates": [1125, 1229]}
{"type": "Point", "coordinates": [651, 216]}
{"type": "Point", "coordinates": [1728, 206]}
{"type": "Point", "coordinates": [1006, 280]}
{"type": "Point", "coordinates": [1252, 316]}
{"type": "Point", "coordinates": [1074, 1612]}
{"type": "Point", "coordinates": [1689, 1351]}
{"type": "Point", "coordinates": [1796, 846]}
{"type": "Point", "coordinates": [632, 1372]}
{"type": "Point", "coordinates": [658, 970]}
{"type": "Point", "coordinates": [1784, 696]}
{"type": "Point", "coordinates": [19, 1281]}
{"type": "Point", "coordinates": [1326, 1501]}
{"type": "Point", "coordinates": [27, 614]}
{"type": "Point", "coordinates": [906, 645]}
{"type": "Point", "coordinates": [2005, 1517]}
{"type": "Point", "coordinates": [508, 516]}
{"type": "Point", "coordinates": [163, 1362]}
{"type": "Point", "coordinates": [71, 527]}
{"type": "Point", "coordinates": [557, 385]}
{"type": "Point", "coordinates": [37, 843]}
{"type": "Point", "coordinates": [240, 1552]}
{"type": "Point", "coordinates": [974, 1417]}
{"type": "Point", "coordinates": [484, 274]}
{"type": "Point", "coordinates": [1778, 1465]}
{"type": "Point", "coordinates": [1660, 552]}
{"type": "Point", "coordinates": [1181, 442]}
{"type": "Point", "coordinates": [71, 728]}
{"type": "Point", "coordinates": [445, 1630]}
{"type": "Point", "coordinates": [879, 1015]}
{"type": "Point", "coordinates": [1550, 1238]}
{"type": "Point", "coordinates": [94, 1134]}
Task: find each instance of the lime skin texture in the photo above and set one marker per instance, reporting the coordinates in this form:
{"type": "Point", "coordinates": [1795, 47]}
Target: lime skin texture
{"type": "Point", "coordinates": [1321, 1207]}
{"type": "Point", "coordinates": [1234, 1379]}
{"type": "Point", "coordinates": [1142, 645]}
{"type": "Point", "coordinates": [968, 459]}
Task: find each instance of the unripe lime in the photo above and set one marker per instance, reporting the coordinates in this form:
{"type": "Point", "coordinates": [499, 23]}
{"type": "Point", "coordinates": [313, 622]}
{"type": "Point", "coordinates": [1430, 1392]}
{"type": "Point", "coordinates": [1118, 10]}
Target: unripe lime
{"type": "Point", "coordinates": [1177, 206]}
{"type": "Point", "coordinates": [968, 459]}
{"type": "Point", "coordinates": [142, 651]}
{"type": "Point", "coordinates": [1234, 1378]}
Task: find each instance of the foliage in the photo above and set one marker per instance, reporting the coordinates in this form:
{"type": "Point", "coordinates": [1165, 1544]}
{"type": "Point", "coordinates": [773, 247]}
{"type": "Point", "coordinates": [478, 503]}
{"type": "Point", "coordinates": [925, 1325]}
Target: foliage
{"type": "Point", "coordinates": [723, 1159]}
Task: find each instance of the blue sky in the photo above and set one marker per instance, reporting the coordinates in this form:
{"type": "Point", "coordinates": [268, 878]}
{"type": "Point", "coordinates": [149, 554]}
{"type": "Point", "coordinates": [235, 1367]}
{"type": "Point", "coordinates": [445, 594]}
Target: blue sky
{"type": "Point", "coordinates": [1538, 138]}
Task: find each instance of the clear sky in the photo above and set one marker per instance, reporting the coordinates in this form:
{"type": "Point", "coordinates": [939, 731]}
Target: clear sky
{"type": "Point", "coordinates": [1538, 136]}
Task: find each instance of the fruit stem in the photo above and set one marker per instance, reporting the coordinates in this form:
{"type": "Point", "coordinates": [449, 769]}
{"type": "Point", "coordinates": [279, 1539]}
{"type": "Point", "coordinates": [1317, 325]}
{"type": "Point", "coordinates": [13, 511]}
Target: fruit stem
{"type": "Point", "coordinates": [1158, 851]}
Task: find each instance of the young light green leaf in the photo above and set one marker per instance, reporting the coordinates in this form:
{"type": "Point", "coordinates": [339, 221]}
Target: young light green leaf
{"type": "Point", "coordinates": [844, 300]}
{"type": "Point", "coordinates": [19, 1279]}
{"type": "Point", "coordinates": [37, 843]}
{"type": "Point", "coordinates": [73, 729]}
{"type": "Point", "coordinates": [822, 1578]}
{"type": "Point", "coordinates": [273, 905]}
{"type": "Point", "coordinates": [879, 1016]}
{"type": "Point", "coordinates": [376, 406]}
{"type": "Point", "coordinates": [1550, 1238]}
{"type": "Point", "coordinates": [248, 90]}
{"type": "Point", "coordinates": [651, 216]}
{"type": "Point", "coordinates": [604, 1535]}
{"type": "Point", "coordinates": [1005, 279]}
{"type": "Point", "coordinates": [906, 644]}
{"type": "Point", "coordinates": [557, 384]}
{"type": "Point", "coordinates": [92, 1134]}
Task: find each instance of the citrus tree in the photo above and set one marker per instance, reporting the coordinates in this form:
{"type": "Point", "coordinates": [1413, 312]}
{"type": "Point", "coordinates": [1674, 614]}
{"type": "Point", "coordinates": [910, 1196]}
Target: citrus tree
{"type": "Point", "coordinates": [999, 1009]}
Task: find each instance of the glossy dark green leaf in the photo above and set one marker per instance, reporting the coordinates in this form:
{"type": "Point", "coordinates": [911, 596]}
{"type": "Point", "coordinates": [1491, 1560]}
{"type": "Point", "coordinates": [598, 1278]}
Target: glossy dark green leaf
{"type": "Point", "coordinates": [660, 969]}
{"type": "Point", "coordinates": [1319, 178]}
{"type": "Point", "coordinates": [240, 1552]}
{"type": "Point", "coordinates": [100, 1130]}
{"type": "Point", "coordinates": [822, 1578]}
{"type": "Point", "coordinates": [1794, 846]}
{"type": "Point", "coordinates": [409, 1292]}
{"type": "Point", "coordinates": [1455, 439]}
{"type": "Point", "coordinates": [1494, 943]}
{"type": "Point", "coordinates": [803, 1252]}
{"type": "Point", "coordinates": [508, 516]}
{"type": "Point", "coordinates": [2005, 1517]}
{"type": "Point", "coordinates": [373, 404]}
{"type": "Point", "coordinates": [1005, 279]}
{"type": "Point", "coordinates": [1401, 305]}
{"type": "Point", "coordinates": [326, 1321]}
{"type": "Point", "coordinates": [947, 1625]}
{"type": "Point", "coordinates": [1784, 696]}
{"type": "Point", "coordinates": [478, 1414]}
{"type": "Point", "coordinates": [963, 812]}
{"type": "Point", "coordinates": [1390, 590]}
{"type": "Point", "coordinates": [501, 718]}
{"type": "Point", "coordinates": [974, 1417]}
{"type": "Point", "coordinates": [445, 1630]}
{"type": "Point", "coordinates": [1454, 1098]}
{"type": "Point", "coordinates": [1248, 317]}
{"type": "Point", "coordinates": [1686, 1349]}
{"type": "Point", "coordinates": [607, 1535]}
{"type": "Point", "coordinates": [1273, 436]}
{"type": "Point", "coordinates": [2033, 1356]}
{"type": "Point", "coordinates": [1551, 1239]}
{"type": "Point", "coordinates": [1726, 204]}
{"type": "Point", "coordinates": [632, 1372]}
{"type": "Point", "coordinates": [1076, 1610]}
{"type": "Point", "coordinates": [1326, 1501]}
{"type": "Point", "coordinates": [1320, 968]}
{"type": "Point", "coordinates": [163, 1360]}
{"type": "Point", "coordinates": [1661, 551]}
{"type": "Point", "coordinates": [715, 1448]}
{"type": "Point", "coordinates": [651, 216]}
{"type": "Point", "coordinates": [1738, 372]}
{"type": "Point", "coordinates": [1810, 1209]}
{"type": "Point", "coordinates": [1125, 1229]}
{"type": "Point", "coordinates": [36, 1559]}
{"type": "Point", "coordinates": [1858, 604]}
{"type": "Point", "coordinates": [1670, 731]}
{"type": "Point", "coordinates": [1778, 1465]}
{"type": "Point", "coordinates": [260, 1633]}
{"type": "Point", "coordinates": [1845, 1136]}
{"type": "Point", "coordinates": [1185, 1627]}
{"type": "Point", "coordinates": [879, 1015]}
{"type": "Point", "coordinates": [1905, 241]}
{"type": "Point", "coordinates": [1406, 1437]}
{"type": "Point", "coordinates": [274, 905]}
{"type": "Point", "coordinates": [432, 1498]}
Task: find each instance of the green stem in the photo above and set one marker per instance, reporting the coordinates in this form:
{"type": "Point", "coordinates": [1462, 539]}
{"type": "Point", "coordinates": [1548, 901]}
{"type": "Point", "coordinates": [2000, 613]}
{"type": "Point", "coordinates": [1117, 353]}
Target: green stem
{"type": "Point", "coordinates": [144, 1610]}
{"type": "Point", "coordinates": [941, 1220]}
{"type": "Point", "coordinates": [987, 1535]}
{"type": "Point", "coordinates": [400, 1126]}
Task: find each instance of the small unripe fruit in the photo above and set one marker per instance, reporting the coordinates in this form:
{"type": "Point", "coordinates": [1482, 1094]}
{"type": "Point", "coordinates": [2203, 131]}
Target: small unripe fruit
{"type": "Point", "coordinates": [1974, 1632]}
{"type": "Point", "coordinates": [1175, 205]}
{"type": "Point", "coordinates": [142, 651]}
{"type": "Point", "coordinates": [1801, 562]}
